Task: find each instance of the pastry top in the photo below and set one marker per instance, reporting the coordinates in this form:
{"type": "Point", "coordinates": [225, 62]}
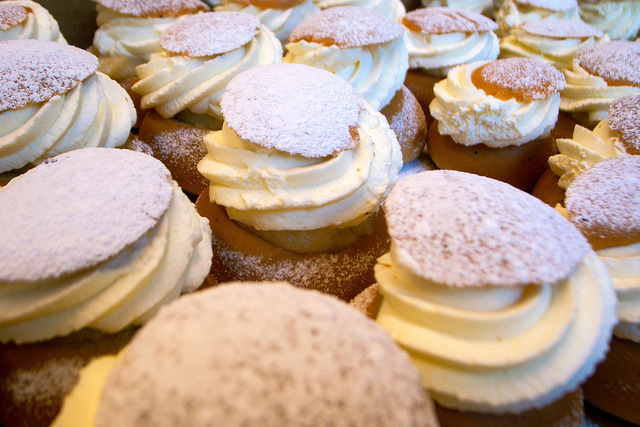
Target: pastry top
{"type": "Point", "coordinates": [624, 119]}
{"type": "Point", "coordinates": [154, 8]}
{"type": "Point", "coordinates": [273, 4]}
{"type": "Point", "coordinates": [274, 353]}
{"type": "Point", "coordinates": [463, 230]}
{"type": "Point", "coordinates": [445, 20]}
{"type": "Point", "coordinates": [616, 62]}
{"type": "Point", "coordinates": [11, 15]}
{"type": "Point", "coordinates": [522, 79]}
{"type": "Point", "coordinates": [347, 26]}
{"type": "Point", "coordinates": [556, 5]}
{"type": "Point", "coordinates": [33, 71]}
{"type": "Point", "coordinates": [209, 34]}
{"type": "Point", "coordinates": [560, 28]}
{"type": "Point", "coordinates": [96, 204]}
{"type": "Point", "coordinates": [293, 108]}
{"type": "Point", "coordinates": [603, 202]}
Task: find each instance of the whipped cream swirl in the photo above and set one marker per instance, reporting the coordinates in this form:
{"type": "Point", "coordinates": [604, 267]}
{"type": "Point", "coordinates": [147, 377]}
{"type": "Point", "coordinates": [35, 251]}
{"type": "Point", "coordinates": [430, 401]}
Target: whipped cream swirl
{"type": "Point", "coordinates": [499, 349]}
{"type": "Point", "coordinates": [39, 25]}
{"type": "Point", "coordinates": [280, 21]}
{"type": "Point", "coordinates": [511, 14]}
{"type": "Point", "coordinates": [478, 6]}
{"type": "Point", "coordinates": [393, 9]}
{"type": "Point", "coordinates": [619, 19]}
{"type": "Point", "coordinates": [95, 113]}
{"type": "Point", "coordinates": [129, 288]}
{"type": "Point", "coordinates": [471, 116]}
{"type": "Point", "coordinates": [172, 83]}
{"type": "Point", "coordinates": [375, 71]}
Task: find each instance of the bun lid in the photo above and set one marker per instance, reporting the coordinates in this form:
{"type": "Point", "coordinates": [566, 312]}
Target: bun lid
{"type": "Point", "coordinates": [154, 8]}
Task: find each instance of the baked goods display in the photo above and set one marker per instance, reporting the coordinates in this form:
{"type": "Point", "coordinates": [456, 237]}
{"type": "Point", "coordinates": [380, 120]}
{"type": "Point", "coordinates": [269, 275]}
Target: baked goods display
{"type": "Point", "coordinates": [514, 12]}
{"type": "Point", "coordinates": [52, 100]}
{"type": "Point", "coordinates": [183, 84]}
{"type": "Point", "coordinates": [620, 19]}
{"type": "Point", "coordinates": [294, 196]}
{"type": "Point", "coordinates": [278, 355]}
{"type": "Point", "coordinates": [111, 240]}
{"type": "Point", "coordinates": [498, 299]}
{"type": "Point", "coordinates": [26, 19]}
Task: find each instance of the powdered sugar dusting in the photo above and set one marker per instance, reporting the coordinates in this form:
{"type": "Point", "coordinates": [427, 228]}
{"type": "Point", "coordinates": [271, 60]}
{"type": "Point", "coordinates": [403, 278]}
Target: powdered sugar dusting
{"type": "Point", "coordinates": [208, 34]}
{"type": "Point", "coordinates": [11, 15]}
{"type": "Point", "coordinates": [624, 117]}
{"type": "Point", "coordinates": [604, 201]}
{"type": "Point", "coordinates": [616, 62]}
{"type": "Point", "coordinates": [347, 26]}
{"type": "Point", "coordinates": [445, 20]}
{"type": "Point", "coordinates": [78, 210]}
{"type": "Point", "coordinates": [556, 5]}
{"type": "Point", "coordinates": [154, 8]}
{"type": "Point", "coordinates": [527, 79]}
{"type": "Point", "coordinates": [293, 108]}
{"type": "Point", "coordinates": [459, 229]}
{"type": "Point", "coordinates": [33, 71]}
{"type": "Point", "coordinates": [263, 354]}
{"type": "Point", "coordinates": [408, 122]}
{"type": "Point", "coordinates": [561, 28]}
{"type": "Point", "coordinates": [368, 301]}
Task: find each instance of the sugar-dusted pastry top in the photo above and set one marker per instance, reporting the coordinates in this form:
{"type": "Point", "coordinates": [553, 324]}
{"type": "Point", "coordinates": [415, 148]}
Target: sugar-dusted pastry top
{"type": "Point", "coordinates": [273, 4]}
{"type": "Point", "coordinates": [444, 20]}
{"type": "Point", "coordinates": [278, 106]}
{"type": "Point", "coordinates": [26, 19]}
{"type": "Point", "coordinates": [210, 33]}
{"type": "Point", "coordinates": [478, 6]}
{"type": "Point", "coordinates": [463, 230]}
{"type": "Point", "coordinates": [560, 28]}
{"type": "Point", "coordinates": [615, 62]}
{"type": "Point", "coordinates": [604, 201]}
{"type": "Point", "coordinates": [34, 71]}
{"type": "Point", "coordinates": [88, 218]}
{"type": "Point", "coordinates": [624, 120]}
{"type": "Point", "coordinates": [154, 8]}
{"type": "Point", "coordinates": [11, 15]}
{"type": "Point", "coordinates": [347, 26]}
{"type": "Point", "coordinates": [514, 12]}
{"type": "Point", "coordinates": [263, 353]}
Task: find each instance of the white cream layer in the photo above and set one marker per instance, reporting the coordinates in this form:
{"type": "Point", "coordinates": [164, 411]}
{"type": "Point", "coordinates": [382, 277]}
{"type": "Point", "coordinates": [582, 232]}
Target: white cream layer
{"type": "Point", "coordinates": [392, 9]}
{"type": "Point", "coordinates": [470, 116]}
{"type": "Point", "coordinates": [39, 25]}
{"type": "Point", "coordinates": [436, 54]}
{"type": "Point", "coordinates": [173, 257]}
{"type": "Point", "coordinates": [512, 14]}
{"type": "Point", "coordinates": [375, 71]}
{"type": "Point", "coordinates": [280, 21]}
{"type": "Point", "coordinates": [500, 350]}
{"type": "Point", "coordinates": [95, 113]}
{"type": "Point", "coordinates": [272, 190]}
{"type": "Point", "coordinates": [172, 83]}
{"type": "Point", "coordinates": [620, 19]}
{"type": "Point", "coordinates": [478, 6]}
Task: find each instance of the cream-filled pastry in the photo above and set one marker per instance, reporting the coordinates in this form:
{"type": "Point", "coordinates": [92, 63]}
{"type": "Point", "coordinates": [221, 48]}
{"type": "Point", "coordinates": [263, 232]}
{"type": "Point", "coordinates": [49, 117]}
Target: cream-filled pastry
{"type": "Point", "coordinates": [598, 75]}
{"type": "Point", "coordinates": [499, 300]}
{"type": "Point", "coordinates": [392, 9]}
{"type": "Point", "coordinates": [280, 16]}
{"type": "Point", "coordinates": [603, 203]}
{"type": "Point", "coordinates": [620, 19]}
{"type": "Point", "coordinates": [552, 40]}
{"type": "Point", "coordinates": [26, 19]}
{"type": "Point", "coordinates": [53, 100]}
{"type": "Point", "coordinates": [479, 6]}
{"type": "Point", "coordinates": [184, 83]}
{"type": "Point", "coordinates": [304, 163]}
{"type": "Point", "coordinates": [253, 353]}
{"type": "Point", "coordinates": [128, 31]}
{"type": "Point", "coordinates": [515, 12]}
{"type": "Point", "coordinates": [494, 118]}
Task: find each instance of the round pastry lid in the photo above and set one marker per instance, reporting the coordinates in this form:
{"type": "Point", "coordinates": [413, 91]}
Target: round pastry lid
{"type": "Point", "coordinates": [77, 210]}
{"type": "Point", "coordinates": [211, 33]}
{"type": "Point", "coordinates": [293, 108]}
{"type": "Point", "coordinates": [604, 201]}
{"type": "Point", "coordinates": [624, 119]}
{"type": "Point", "coordinates": [464, 230]}
{"type": "Point", "coordinates": [11, 15]}
{"type": "Point", "coordinates": [33, 71]}
{"type": "Point", "coordinates": [555, 5]}
{"type": "Point", "coordinates": [154, 8]}
{"type": "Point", "coordinates": [445, 20]}
{"type": "Point", "coordinates": [616, 62]}
{"type": "Point", "coordinates": [521, 79]}
{"type": "Point", "coordinates": [560, 28]}
{"type": "Point", "coordinates": [347, 26]}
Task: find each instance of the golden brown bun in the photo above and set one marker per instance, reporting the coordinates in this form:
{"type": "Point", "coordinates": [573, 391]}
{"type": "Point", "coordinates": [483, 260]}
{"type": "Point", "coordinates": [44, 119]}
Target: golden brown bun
{"type": "Point", "coordinates": [547, 189]}
{"type": "Point", "coordinates": [421, 85]}
{"type": "Point", "coordinates": [239, 255]}
{"type": "Point", "coordinates": [520, 166]}
{"type": "Point", "coordinates": [178, 146]}
{"type": "Point", "coordinates": [407, 120]}
{"type": "Point", "coordinates": [615, 386]}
